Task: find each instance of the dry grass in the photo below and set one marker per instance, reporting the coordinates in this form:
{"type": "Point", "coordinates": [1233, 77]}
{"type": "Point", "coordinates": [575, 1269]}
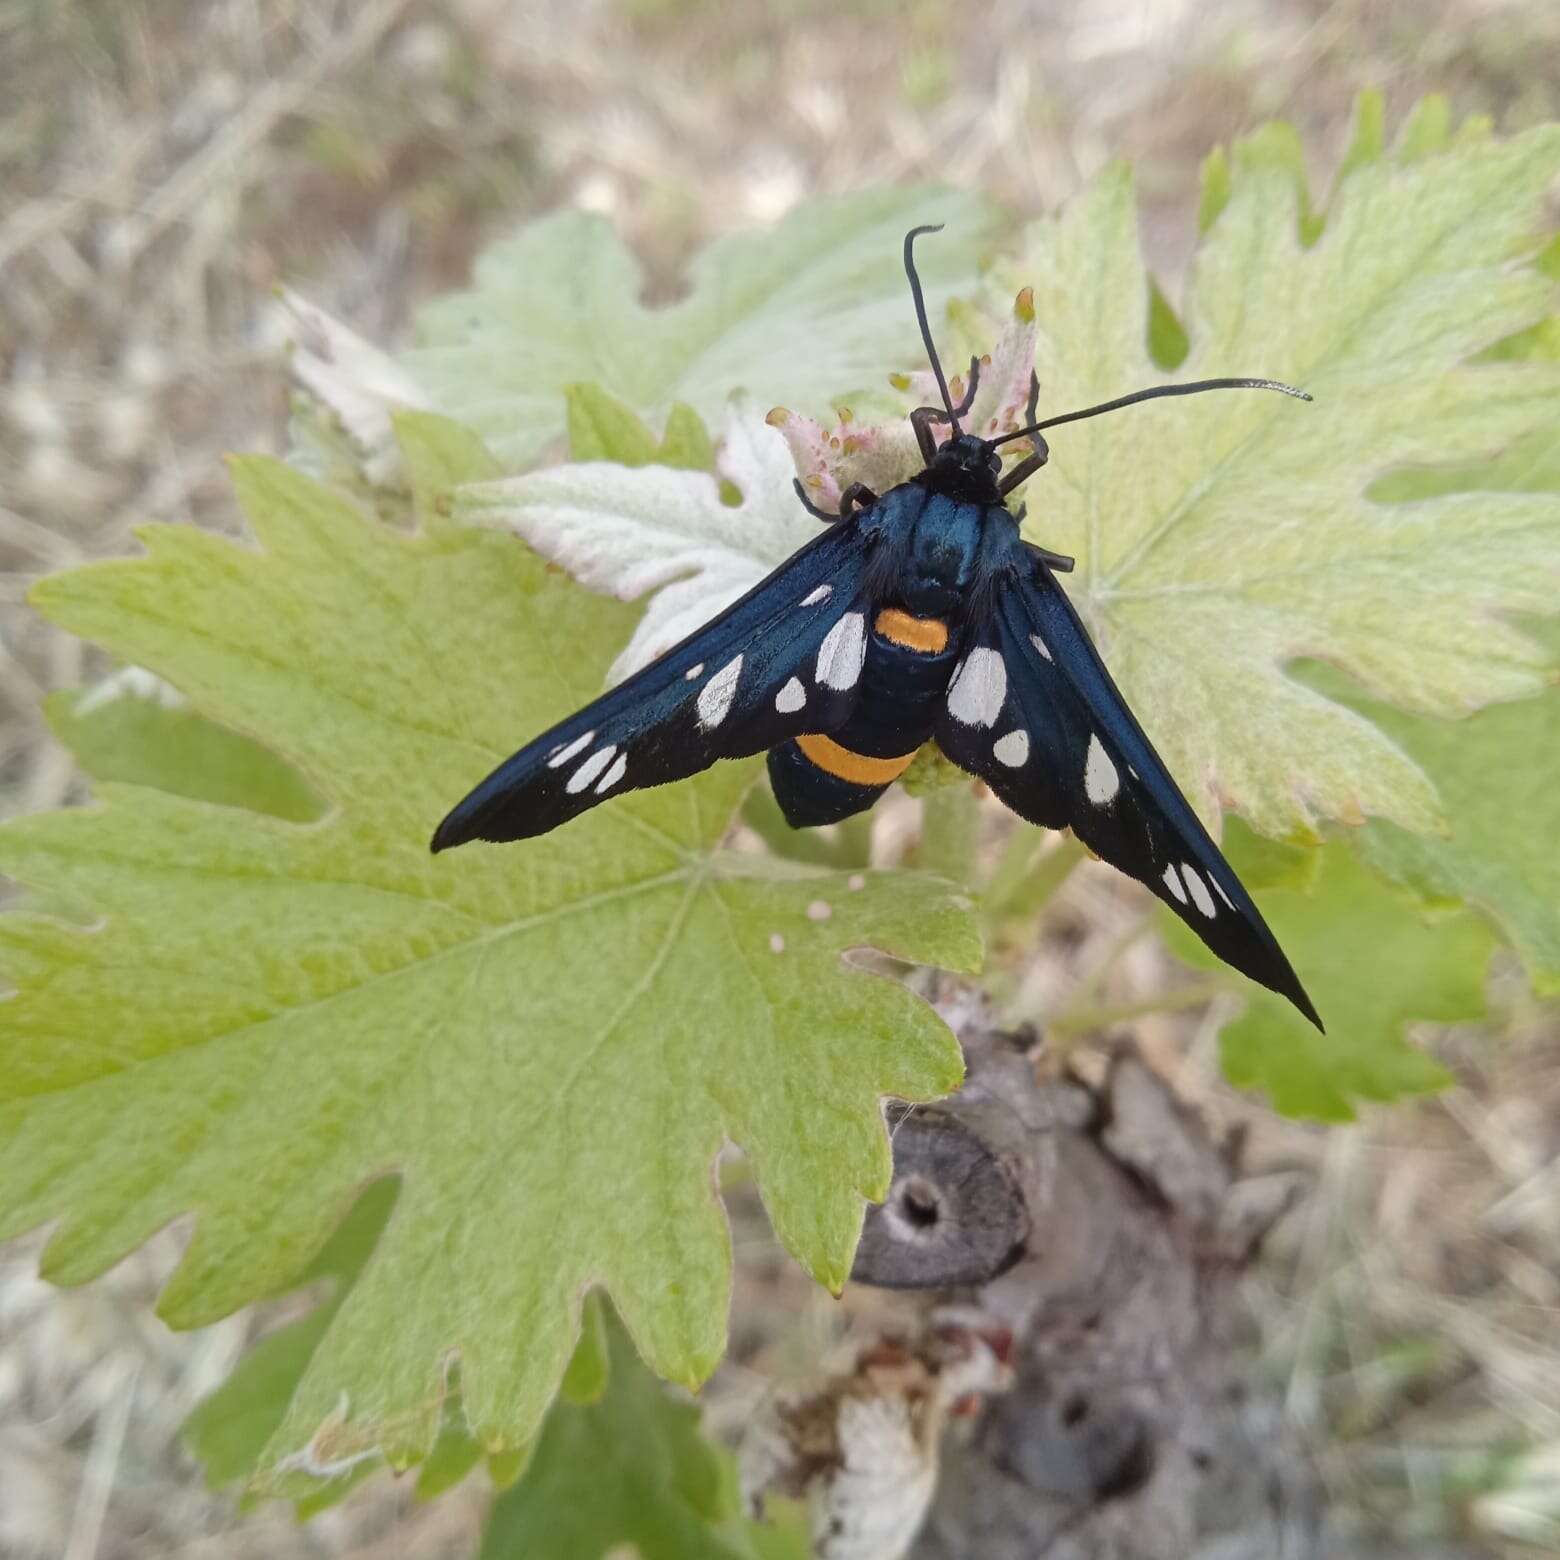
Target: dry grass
{"type": "Point", "coordinates": [165, 162]}
{"type": "Point", "coordinates": [1411, 1313]}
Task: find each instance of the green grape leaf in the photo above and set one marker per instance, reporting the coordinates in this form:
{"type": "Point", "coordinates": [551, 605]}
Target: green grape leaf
{"type": "Point", "coordinates": [813, 305]}
{"type": "Point", "coordinates": [1530, 464]}
{"type": "Point", "coordinates": [1427, 130]}
{"type": "Point", "coordinates": [1219, 539]}
{"type": "Point", "coordinates": [454, 1454]}
{"type": "Point", "coordinates": [438, 456]}
{"type": "Point", "coordinates": [621, 525]}
{"type": "Point", "coordinates": [1537, 341]}
{"type": "Point", "coordinates": [585, 1381]}
{"type": "Point", "coordinates": [1495, 772]}
{"type": "Point", "coordinates": [132, 729]}
{"type": "Point", "coordinates": [1373, 964]}
{"type": "Point", "coordinates": [1167, 343]}
{"type": "Point", "coordinates": [630, 1469]}
{"type": "Point", "coordinates": [601, 427]}
{"type": "Point", "coordinates": [229, 1430]}
{"type": "Point", "coordinates": [548, 1043]}
{"type": "Point", "coordinates": [686, 442]}
{"type": "Point", "coordinates": [1368, 137]}
{"type": "Point", "coordinates": [838, 845]}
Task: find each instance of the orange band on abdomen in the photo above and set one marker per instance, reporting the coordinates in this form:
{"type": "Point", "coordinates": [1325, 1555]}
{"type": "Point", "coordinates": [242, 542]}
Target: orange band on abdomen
{"type": "Point", "coordinates": [928, 634]}
{"type": "Point", "coordinates": [840, 762]}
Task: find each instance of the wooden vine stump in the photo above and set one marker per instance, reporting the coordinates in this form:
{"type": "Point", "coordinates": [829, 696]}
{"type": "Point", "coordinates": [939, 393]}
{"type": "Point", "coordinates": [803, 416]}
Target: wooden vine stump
{"type": "Point", "coordinates": [1107, 1231]}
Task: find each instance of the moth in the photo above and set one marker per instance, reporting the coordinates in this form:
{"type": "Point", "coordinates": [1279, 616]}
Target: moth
{"type": "Point", "coordinates": [920, 614]}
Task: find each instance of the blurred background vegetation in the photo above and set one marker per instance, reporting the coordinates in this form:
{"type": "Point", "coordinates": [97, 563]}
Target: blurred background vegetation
{"type": "Point", "coordinates": [166, 163]}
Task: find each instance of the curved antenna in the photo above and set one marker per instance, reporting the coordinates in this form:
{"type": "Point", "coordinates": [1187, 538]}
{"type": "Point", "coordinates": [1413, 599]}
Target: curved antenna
{"type": "Point", "coordinates": [920, 314]}
{"type": "Point", "coordinates": [1152, 394]}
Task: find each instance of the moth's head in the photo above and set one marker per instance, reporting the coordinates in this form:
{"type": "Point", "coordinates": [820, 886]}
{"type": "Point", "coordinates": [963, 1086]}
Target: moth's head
{"type": "Point", "coordinates": [965, 468]}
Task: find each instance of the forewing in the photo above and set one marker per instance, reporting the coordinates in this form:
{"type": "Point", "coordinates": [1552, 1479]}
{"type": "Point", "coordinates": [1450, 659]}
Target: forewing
{"type": "Point", "coordinates": [1032, 710]}
{"type": "Point", "coordinates": [783, 660]}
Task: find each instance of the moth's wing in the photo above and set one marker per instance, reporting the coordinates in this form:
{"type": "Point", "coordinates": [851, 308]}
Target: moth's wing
{"type": "Point", "coordinates": [783, 660]}
{"type": "Point", "coordinates": [1032, 710]}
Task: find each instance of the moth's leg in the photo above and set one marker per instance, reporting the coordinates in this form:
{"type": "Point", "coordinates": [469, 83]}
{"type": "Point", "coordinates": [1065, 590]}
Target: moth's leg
{"type": "Point", "coordinates": [810, 507]}
{"type": "Point", "coordinates": [922, 416]}
{"type": "Point", "coordinates": [1032, 414]}
{"type": "Point", "coordinates": [1058, 561]}
{"type": "Point", "coordinates": [1022, 472]}
{"type": "Point", "coordinates": [920, 420]}
{"type": "Point", "coordinates": [857, 496]}
{"type": "Point", "coordinates": [1026, 469]}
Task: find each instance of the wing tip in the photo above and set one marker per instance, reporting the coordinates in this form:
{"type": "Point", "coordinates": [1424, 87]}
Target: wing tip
{"type": "Point", "coordinates": [459, 827]}
{"type": "Point", "coordinates": [481, 814]}
{"type": "Point", "coordinates": [1289, 987]}
{"type": "Point", "coordinates": [486, 817]}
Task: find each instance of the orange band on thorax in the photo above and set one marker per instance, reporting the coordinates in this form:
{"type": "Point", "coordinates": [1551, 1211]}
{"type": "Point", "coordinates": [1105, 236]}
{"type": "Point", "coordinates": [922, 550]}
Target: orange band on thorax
{"type": "Point", "coordinates": [858, 768]}
{"type": "Point", "coordinates": [928, 634]}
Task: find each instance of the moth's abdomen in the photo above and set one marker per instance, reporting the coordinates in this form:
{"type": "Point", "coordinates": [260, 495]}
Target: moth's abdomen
{"type": "Point", "coordinates": [821, 779]}
{"type": "Point", "coordinates": [811, 780]}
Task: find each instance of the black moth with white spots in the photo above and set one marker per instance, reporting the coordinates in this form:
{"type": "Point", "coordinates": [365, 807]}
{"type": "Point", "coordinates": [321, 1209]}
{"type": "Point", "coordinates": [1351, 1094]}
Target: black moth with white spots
{"type": "Point", "coordinates": [918, 615]}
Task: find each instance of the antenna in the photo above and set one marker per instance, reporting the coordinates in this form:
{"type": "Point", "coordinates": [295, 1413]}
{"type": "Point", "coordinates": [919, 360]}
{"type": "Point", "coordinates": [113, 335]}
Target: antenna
{"type": "Point", "coordinates": [920, 314]}
{"type": "Point", "coordinates": [1153, 394]}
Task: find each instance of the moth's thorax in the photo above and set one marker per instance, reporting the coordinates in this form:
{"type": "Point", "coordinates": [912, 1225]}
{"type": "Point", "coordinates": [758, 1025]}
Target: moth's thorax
{"type": "Point", "coordinates": [947, 548]}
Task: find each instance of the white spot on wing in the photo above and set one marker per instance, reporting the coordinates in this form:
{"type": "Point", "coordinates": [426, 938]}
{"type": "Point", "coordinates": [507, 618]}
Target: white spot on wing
{"type": "Point", "coordinates": [791, 697]}
{"type": "Point", "coordinates": [843, 649]}
{"type": "Point", "coordinates": [1220, 892]}
{"type": "Point", "coordinates": [1041, 646]}
{"type": "Point", "coordinates": [1173, 883]}
{"type": "Point", "coordinates": [978, 689]}
{"type": "Point", "coordinates": [1100, 780]}
{"type": "Point", "coordinates": [1199, 890]}
{"type": "Point", "coordinates": [560, 756]}
{"type": "Point", "coordinates": [694, 670]}
{"type": "Point", "coordinates": [822, 593]}
{"type": "Point", "coordinates": [613, 775]}
{"type": "Point", "coordinates": [716, 695]}
{"type": "Point", "coordinates": [591, 767]}
{"type": "Point", "coordinates": [1012, 750]}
